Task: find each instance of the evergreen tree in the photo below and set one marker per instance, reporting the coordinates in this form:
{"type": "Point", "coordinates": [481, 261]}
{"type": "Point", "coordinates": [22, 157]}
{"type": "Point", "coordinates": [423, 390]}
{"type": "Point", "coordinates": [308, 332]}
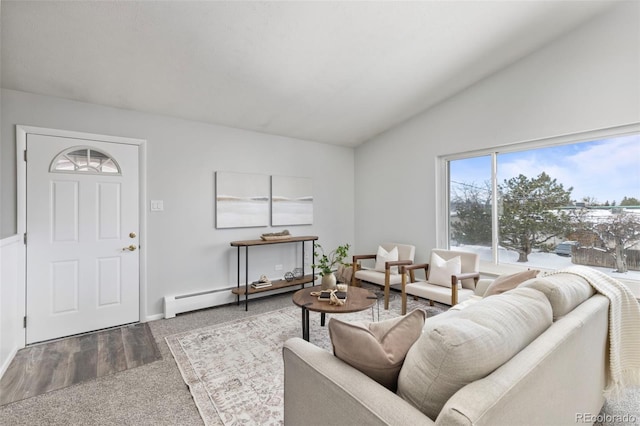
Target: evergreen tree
{"type": "Point", "coordinates": [630, 201]}
{"type": "Point", "coordinates": [531, 214]}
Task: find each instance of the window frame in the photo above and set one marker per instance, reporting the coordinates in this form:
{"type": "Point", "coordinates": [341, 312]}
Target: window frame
{"type": "Point", "coordinates": [88, 171]}
{"type": "Point", "coordinates": [443, 176]}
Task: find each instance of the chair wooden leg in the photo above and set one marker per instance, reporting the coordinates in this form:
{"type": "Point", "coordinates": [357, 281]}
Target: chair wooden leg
{"type": "Point", "coordinates": [386, 297]}
{"type": "Point", "coordinates": [387, 279]}
{"type": "Point", "coordinates": [354, 281]}
{"type": "Point", "coordinates": [430, 302]}
{"type": "Point", "coordinates": [404, 294]}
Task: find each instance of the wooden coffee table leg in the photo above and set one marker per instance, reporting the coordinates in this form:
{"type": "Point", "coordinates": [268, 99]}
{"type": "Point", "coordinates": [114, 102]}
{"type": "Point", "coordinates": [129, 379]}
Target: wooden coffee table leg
{"type": "Point", "coordinates": [323, 317]}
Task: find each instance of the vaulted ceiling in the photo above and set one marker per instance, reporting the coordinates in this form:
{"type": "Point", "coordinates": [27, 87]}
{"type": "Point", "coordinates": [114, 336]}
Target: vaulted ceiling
{"type": "Point", "coordinates": [335, 72]}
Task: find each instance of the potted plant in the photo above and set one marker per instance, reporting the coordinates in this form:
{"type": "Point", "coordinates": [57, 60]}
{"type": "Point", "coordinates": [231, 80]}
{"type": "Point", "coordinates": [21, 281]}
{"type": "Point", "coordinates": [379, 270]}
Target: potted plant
{"type": "Point", "coordinates": [326, 262]}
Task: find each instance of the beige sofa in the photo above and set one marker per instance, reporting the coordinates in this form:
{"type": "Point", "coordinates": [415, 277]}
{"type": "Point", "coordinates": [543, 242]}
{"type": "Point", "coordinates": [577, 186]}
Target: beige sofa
{"type": "Point", "coordinates": [555, 379]}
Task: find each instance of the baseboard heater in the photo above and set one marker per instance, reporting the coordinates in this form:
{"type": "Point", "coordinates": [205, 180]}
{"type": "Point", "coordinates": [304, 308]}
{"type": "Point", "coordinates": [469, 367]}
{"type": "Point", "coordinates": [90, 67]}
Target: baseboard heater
{"type": "Point", "coordinates": [190, 302]}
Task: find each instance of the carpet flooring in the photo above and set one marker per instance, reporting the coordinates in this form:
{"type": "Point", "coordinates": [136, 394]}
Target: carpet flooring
{"type": "Point", "coordinates": [156, 394]}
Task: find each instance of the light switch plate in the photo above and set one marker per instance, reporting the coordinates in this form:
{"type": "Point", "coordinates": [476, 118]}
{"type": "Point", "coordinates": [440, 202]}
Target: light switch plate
{"type": "Point", "coordinates": [157, 205]}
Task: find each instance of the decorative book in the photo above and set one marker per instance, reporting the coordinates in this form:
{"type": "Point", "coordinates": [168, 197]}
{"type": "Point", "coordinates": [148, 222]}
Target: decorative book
{"type": "Point", "coordinates": [325, 295]}
{"type": "Point", "coordinates": [258, 284]}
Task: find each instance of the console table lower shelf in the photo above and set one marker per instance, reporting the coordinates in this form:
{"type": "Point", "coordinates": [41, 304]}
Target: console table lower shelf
{"type": "Point", "coordinates": [277, 284]}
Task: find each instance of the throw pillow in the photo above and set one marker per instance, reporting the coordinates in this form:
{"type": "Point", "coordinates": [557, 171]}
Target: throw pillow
{"type": "Point", "coordinates": [508, 282]}
{"type": "Point", "coordinates": [384, 256]}
{"type": "Point", "coordinates": [440, 270]}
{"type": "Point", "coordinates": [377, 349]}
{"type": "Point", "coordinates": [469, 346]}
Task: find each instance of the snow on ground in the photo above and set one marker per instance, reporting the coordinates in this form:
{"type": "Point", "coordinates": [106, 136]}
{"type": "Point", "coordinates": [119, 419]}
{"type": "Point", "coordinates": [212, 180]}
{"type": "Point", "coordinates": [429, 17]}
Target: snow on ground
{"type": "Point", "coordinates": [548, 261]}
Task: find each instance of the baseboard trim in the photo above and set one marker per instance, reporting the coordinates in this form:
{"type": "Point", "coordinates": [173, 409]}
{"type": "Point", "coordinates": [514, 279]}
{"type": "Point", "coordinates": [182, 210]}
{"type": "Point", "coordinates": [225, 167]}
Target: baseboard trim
{"type": "Point", "coordinates": [190, 302]}
{"type": "Point", "coordinates": [5, 366]}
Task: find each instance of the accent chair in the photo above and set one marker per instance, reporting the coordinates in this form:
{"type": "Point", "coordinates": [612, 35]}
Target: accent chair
{"type": "Point", "coordinates": [451, 277]}
{"type": "Point", "coordinates": [385, 272]}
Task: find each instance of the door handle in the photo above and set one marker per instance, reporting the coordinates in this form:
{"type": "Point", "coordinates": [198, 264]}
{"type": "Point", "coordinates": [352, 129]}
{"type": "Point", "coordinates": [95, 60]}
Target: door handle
{"type": "Point", "coordinates": [130, 248]}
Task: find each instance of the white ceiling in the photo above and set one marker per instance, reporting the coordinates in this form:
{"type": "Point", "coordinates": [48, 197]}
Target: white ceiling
{"type": "Point", "coordinates": [334, 72]}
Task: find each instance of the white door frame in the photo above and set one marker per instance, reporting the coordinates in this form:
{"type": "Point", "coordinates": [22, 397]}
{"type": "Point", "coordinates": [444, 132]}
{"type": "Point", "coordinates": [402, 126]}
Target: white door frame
{"type": "Point", "coordinates": [21, 171]}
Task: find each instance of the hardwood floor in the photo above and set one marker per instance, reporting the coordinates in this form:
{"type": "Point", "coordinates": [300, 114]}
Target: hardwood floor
{"type": "Point", "coordinates": [54, 365]}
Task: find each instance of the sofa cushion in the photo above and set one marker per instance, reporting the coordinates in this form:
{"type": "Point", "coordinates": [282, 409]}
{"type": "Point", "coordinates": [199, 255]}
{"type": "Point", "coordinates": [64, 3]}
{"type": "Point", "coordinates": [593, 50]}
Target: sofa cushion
{"type": "Point", "coordinates": [377, 349]}
{"type": "Point", "coordinates": [440, 270]}
{"type": "Point", "coordinates": [470, 345]}
{"type": "Point", "coordinates": [383, 257]}
{"type": "Point", "coordinates": [564, 291]}
{"type": "Point", "coordinates": [508, 282]}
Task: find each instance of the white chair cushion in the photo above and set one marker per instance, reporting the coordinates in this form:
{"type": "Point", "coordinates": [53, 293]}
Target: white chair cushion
{"type": "Point", "coordinates": [384, 256]}
{"type": "Point", "coordinates": [470, 345]}
{"type": "Point", "coordinates": [437, 293]}
{"type": "Point", "coordinates": [375, 277]}
{"type": "Point", "coordinates": [440, 270]}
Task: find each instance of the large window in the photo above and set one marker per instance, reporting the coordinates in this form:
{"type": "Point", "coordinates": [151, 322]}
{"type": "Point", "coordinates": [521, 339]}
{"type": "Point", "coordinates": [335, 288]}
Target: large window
{"type": "Point", "coordinates": [550, 204]}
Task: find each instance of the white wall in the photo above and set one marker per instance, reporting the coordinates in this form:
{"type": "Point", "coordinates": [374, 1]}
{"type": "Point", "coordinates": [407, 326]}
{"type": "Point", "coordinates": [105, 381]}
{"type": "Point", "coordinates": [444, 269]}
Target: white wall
{"type": "Point", "coordinates": [11, 299]}
{"type": "Point", "coordinates": [587, 80]}
{"type": "Point", "coordinates": [185, 253]}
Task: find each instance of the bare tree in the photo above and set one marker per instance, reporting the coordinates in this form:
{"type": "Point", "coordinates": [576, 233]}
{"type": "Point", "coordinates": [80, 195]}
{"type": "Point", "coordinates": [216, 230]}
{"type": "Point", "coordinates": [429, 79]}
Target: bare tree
{"type": "Point", "coordinates": [616, 233]}
{"type": "Point", "coordinates": [472, 206]}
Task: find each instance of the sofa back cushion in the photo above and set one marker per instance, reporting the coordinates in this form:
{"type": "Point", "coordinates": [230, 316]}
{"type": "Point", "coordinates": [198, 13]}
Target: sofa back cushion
{"type": "Point", "coordinates": [470, 345]}
{"type": "Point", "coordinates": [565, 291]}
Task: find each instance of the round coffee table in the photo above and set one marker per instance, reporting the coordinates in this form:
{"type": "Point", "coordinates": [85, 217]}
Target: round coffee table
{"type": "Point", "coordinates": [358, 299]}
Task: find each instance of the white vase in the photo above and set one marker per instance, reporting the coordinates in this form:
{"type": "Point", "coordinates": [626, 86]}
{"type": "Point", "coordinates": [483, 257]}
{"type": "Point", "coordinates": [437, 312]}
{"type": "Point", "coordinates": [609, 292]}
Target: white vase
{"type": "Point", "coordinates": [328, 282]}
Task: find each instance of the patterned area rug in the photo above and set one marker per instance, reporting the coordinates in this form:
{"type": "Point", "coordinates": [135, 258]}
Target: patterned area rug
{"type": "Point", "coordinates": [235, 371]}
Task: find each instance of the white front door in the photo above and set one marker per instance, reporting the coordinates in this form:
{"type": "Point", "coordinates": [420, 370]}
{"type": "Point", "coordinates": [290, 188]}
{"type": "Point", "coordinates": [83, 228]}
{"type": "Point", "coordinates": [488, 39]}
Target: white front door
{"type": "Point", "coordinates": [82, 242]}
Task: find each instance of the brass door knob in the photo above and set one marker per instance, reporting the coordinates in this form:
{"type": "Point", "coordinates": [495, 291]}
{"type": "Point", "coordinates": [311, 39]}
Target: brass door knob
{"type": "Point", "coordinates": [132, 234]}
{"type": "Point", "coordinates": [130, 248]}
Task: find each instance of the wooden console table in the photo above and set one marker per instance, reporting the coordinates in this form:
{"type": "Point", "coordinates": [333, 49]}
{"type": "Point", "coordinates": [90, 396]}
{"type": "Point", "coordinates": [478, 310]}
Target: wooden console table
{"type": "Point", "coordinates": [247, 289]}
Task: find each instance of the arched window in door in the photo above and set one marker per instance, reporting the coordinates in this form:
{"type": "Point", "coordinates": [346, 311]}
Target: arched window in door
{"type": "Point", "coordinates": [82, 159]}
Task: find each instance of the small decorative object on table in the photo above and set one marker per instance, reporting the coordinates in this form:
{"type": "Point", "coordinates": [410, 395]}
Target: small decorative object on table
{"type": "Point", "coordinates": [262, 282]}
{"type": "Point", "coordinates": [288, 276]}
{"type": "Point", "coordinates": [297, 273]}
{"type": "Point", "coordinates": [283, 235]}
{"type": "Point", "coordinates": [334, 297]}
{"type": "Point", "coordinates": [325, 263]}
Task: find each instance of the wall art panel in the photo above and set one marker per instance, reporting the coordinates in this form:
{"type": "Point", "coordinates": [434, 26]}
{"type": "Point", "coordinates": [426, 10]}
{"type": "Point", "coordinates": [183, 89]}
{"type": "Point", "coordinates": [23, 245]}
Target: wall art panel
{"type": "Point", "coordinates": [291, 201]}
{"type": "Point", "coordinates": [242, 200]}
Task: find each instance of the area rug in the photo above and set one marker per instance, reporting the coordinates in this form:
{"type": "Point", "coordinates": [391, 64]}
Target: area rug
{"type": "Point", "coordinates": [235, 371]}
